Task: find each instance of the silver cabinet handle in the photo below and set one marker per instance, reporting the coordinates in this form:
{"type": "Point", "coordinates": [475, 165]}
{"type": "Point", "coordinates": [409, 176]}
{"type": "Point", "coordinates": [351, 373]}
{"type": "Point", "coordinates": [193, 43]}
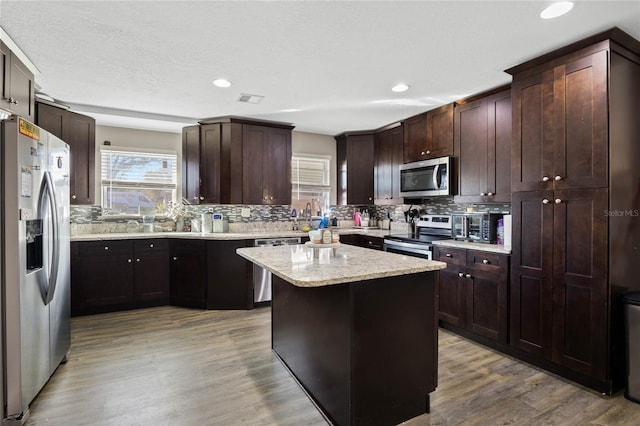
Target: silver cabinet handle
{"type": "Point", "coordinates": [448, 255]}
{"type": "Point", "coordinates": [482, 194]}
{"type": "Point", "coordinates": [558, 177]}
{"type": "Point", "coordinates": [428, 152]}
{"type": "Point", "coordinates": [128, 260]}
{"type": "Point", "coordinates": [490, 194]}
{"type": "Point", "coordinates": [422, 153]}
{"type": "Point", "coordinates": [73, 197]}
{"type": "Point", "coordinates": [137, 260]}
{"type": "Point", "coordinates": [545, 201]}
{"type": "Point", "coordinates": [558, 200]}
{"type": "Point", "coordinates": [468, 275]}
{"type": "Point", "coordinates": [370, 198]}
{"type": "Point", "coordinates": [175, 258]}
{"type": "Point", "coordinates": [151, 245]}
{"type": "Point", "coordinates": [461, 274]}
{"type": "Point", "coordinates": [545, 178]}
{"type": "Point", "coordinates": [106, 247]}
{"type": "Point", "coordinates": [201, 198]}
{"type": "Point", "coordinates": [485, 261]}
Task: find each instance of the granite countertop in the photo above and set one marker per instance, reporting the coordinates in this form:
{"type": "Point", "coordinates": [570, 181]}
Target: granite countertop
{"type": "Point", "coordinates": [494, 248]}
{"type": "Point", "coordinates": [297, 264]}
{"type": "Point", "coordinates": [381, 233]}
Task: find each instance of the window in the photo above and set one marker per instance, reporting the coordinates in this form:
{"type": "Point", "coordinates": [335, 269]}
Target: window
{"type": "Point", "coordinates": [137, 182]}
{"type": "Point", "coordinates": [310, 182]}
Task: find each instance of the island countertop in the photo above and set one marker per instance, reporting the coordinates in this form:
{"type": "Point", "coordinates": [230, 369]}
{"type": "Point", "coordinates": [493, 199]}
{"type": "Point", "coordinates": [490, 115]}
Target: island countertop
{"type": "Point", "coordinates": [297, 264]}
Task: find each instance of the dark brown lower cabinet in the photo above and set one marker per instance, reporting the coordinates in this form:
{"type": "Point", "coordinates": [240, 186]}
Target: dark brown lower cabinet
{"type": "Point", "coordinates": [228, 276]}
{"type": "Point", "coordinates": [113, 275]}
{"type": "Point", "coordinates": [151, 275]}
{"type": "Point", "coordinates": [189, 273]}
{"type": "Point", "coordinates": [559, 290]}
{"type": "Point", "coordinates": [369, 241]}
{"type": "Point", "coordinates": [101, 276]}
{"type": "Point", "coordinates": [472, 291]}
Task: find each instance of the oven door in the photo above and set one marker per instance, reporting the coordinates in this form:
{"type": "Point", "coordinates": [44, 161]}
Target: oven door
{"type": "Point", "coordinates": [409, 249]}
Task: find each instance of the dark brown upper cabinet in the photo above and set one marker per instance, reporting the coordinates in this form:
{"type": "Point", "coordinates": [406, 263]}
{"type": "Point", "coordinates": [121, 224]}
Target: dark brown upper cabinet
{"type": "Point", "coordinates": [388, 158]}
{"type": "Point", "coordinates": [79, 131]}
{"type": "Point", "coordinates": [18, 90]}
{"type": "Point", "coordinates": [560, 126]}
{"type": "Point", "coordinates": [355, 155]}
{"type": "Point", "coordinates": [429, 135]}
{"type": "Point", "coordinates": [266, 165]}
{"type": "Point", "coordinates": [482, 136]}
{"type": "Point", "coordinates": [233, 160]}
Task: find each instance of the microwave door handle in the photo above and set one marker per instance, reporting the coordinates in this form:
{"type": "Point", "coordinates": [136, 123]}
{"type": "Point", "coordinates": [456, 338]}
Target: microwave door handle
{"type": "Point", "coordinates": [436, 184]}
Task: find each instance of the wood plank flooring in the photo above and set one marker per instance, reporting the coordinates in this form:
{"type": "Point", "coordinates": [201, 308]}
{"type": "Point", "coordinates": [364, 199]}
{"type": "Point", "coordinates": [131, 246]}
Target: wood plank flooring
{"type": "Point", "coordinates": [175, 366]}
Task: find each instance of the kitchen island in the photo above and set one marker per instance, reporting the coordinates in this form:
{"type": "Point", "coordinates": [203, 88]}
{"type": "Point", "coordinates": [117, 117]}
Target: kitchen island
{"type": "Point", "coordinates": [357, 328]}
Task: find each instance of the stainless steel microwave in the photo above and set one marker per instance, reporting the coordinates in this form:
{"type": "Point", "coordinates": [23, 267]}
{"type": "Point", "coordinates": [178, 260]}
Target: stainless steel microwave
{"type": "Point", "coordinates": [426, 178]}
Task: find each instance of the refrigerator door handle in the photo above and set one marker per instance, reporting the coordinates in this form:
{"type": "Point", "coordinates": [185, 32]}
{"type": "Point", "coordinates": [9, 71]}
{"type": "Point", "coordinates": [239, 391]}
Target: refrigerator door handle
{"type": "Point", "coordinates": [47, 190]}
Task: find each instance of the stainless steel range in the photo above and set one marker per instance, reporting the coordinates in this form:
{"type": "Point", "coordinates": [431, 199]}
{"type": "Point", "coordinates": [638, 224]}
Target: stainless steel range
{"type": "Point", "coordinates": [428, 228]}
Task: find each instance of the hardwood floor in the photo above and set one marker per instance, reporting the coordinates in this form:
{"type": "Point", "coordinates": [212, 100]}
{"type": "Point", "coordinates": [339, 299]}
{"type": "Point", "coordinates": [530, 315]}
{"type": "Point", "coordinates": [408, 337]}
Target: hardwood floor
{"type": "Point", "coordinates": [176, 366]}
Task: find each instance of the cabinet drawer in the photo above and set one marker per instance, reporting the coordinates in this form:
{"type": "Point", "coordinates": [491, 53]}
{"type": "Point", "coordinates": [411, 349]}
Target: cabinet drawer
{"type": "Point", "coordinates": [140, 246]}
{"type": "Point", "coordinates": [97, 248]}
{"type": "Point", "coordinates": [453, 256]}
{"type": "Point", "coordinates": [487, 261]}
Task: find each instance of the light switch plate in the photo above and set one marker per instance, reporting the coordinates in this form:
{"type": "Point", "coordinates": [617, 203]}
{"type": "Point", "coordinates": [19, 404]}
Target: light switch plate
{"type": "Point", "coordinates": [245, 212]}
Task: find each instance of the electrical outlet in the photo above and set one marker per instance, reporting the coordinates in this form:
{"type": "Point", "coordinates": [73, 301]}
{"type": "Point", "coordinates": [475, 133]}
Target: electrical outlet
{"type": "Point", "coordinates": [210, 210]}
{"type": "Point", "coordinates": [245, 212]}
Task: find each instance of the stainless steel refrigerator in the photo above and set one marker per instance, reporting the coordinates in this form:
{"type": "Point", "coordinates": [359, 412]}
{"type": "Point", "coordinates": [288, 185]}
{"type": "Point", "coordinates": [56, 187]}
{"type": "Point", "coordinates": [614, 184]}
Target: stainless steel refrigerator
{"type": "Point", "coordinates": [36, 302]}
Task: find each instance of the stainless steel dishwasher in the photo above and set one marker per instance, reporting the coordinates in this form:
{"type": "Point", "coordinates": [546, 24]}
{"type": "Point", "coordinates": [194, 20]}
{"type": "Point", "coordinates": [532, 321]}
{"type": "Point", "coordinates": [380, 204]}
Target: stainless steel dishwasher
{"type": "Point", "coordinates": [262, 277]}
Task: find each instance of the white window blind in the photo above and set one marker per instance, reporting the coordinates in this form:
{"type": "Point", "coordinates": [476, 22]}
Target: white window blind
{"type": "Point", "coordinates": [310, 179]}
{"type": "Point", "coordinates": [137, 182]}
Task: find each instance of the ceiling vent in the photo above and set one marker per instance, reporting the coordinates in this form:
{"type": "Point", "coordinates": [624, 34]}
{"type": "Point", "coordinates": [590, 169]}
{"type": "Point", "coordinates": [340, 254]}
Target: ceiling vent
{"type": "Point", "coordinates": [250, 99]}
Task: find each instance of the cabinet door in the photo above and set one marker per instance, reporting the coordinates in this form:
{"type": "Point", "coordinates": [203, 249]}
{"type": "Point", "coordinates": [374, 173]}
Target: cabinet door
{"type": "Point", "coordinates": [472, 150]}
{"type": "Point", "coordinates": [210, 157]}
{"type": "Point", "coordinates": [228, 284]}
{"type": "Point", "coordinates": [5, 72]}
{"type": "Point", "coordinates": [102, 278]}
{"type": "Point", "coordinates": [151, 273]}
{"type": "Point", "coordinates": [580, 296]}
{"type": "Point", "coordinates": [532, 144]}
{"type": "Point", "coordinates": [277, 167]}
{"type": "Point", "coordinates": [21, 89]}
{"type": "Point", "coordinates": [440, 132]}
{"type": "Point", "coordinates": [500, 134]}
{"type": "Point", "coordinates": [415, 138]}
{"type": "Point", "coordinates": [52, 119]}
{"type": "Point", "coordinates": [451, 296]}
{"type": "Point", "coordinates": [191, 164]}
{"type": "Point", "coordinates": [360, 164]}
{"type": "Point", "coordinates": [388, 158]}
{"type": "Point", "coordinates": [531, 272]}
{"type": "Point", "coordinates": [188, 273]}
{"type": "Point", "coordinates": [254, 141]}
{"type": "Point", "coordinates": [486, 304]}
{"type": "Point", "coordinates": [581, 123]}
{"type": "Point", "coordinates": [81, 138]}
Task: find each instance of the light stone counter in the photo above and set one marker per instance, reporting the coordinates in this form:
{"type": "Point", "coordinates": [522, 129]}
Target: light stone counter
{"type": "Point", "coordinates": [220, 236]}
{"type": "Point", "coordinates": [493, 248]}
{"type": "Point", "coordinates": [297, 265]}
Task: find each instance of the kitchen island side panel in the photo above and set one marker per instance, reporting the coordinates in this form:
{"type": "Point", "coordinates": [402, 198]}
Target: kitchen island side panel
{"type": "Point", "coordinates": [394, 348]}
{"type": "Point", "coordinates": [366, 351]}
{"type": "Point", "coordinates": [311, 335]}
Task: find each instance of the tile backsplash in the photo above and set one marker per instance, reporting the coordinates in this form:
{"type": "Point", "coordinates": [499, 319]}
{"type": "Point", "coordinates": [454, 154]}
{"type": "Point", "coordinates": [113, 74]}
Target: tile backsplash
{"type": "Point", "coordinates": [88, 219]}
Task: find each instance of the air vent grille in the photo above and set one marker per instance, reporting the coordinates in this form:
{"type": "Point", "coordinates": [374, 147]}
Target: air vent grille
{"type": "Point", "coordinates": [250, 99]}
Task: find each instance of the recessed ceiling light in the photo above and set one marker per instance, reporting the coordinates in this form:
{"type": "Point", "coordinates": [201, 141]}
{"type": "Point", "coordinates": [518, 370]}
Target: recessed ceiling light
{"type": "Point", "coordinates": [556, 9]}
{"type": "Point", "coordinates": [221, 82]}
{"type": "Point", "coordinates": [400, 87]}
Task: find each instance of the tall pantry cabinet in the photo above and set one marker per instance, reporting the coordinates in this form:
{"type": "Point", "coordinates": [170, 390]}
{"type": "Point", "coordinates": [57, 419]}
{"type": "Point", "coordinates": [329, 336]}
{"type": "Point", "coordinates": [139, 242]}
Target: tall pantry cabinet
{"type": "Point", "coordinates": [576, 191]}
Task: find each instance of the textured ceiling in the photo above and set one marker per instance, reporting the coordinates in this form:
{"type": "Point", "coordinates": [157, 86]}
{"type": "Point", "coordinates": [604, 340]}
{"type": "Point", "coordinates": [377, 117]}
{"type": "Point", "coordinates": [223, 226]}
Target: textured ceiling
{"type": "Point", "coordinates": [150, 64]}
